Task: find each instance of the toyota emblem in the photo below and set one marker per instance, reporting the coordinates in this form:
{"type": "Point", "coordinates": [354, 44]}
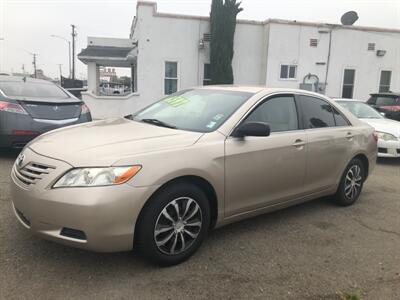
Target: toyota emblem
{"type": "Point", "coordinates": [20, 160]}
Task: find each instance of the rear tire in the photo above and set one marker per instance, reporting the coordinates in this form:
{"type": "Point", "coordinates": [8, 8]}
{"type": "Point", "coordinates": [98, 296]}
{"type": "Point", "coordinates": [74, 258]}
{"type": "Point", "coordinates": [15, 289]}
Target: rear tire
{"type": "Point", "coordinates": [173, 224]}
{"type": "Point", "coordinates": [351, 183]}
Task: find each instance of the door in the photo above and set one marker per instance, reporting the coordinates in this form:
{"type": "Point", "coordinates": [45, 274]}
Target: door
{"type": "Point", "coordinates": [329, 139]}
{"type": "Point", "coordinates": [260, 171]}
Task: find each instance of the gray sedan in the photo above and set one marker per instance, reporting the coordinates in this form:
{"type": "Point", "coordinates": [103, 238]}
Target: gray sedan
{"type": "Point", "coordinates": [30, 107]}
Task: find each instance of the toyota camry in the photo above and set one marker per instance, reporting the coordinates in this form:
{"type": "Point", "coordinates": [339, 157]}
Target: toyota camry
{"type": "Point", "coordinates": [160, 179]}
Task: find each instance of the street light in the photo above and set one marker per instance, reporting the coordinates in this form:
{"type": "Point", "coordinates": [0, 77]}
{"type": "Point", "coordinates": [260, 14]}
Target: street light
{"type": "Point", "coordinates": [69, 50]}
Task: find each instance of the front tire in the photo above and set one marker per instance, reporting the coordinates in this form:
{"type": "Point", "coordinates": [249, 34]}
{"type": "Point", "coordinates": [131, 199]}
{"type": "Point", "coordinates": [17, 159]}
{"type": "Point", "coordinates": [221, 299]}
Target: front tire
{"type": "Point", "coordinates": [351, 183]}
{"type": "Point", "coordinates": [173, 224]}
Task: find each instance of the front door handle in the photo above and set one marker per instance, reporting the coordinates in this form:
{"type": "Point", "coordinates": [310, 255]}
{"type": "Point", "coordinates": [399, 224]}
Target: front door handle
{"type": "Point", "coordinates": [299, 143]}
{"type": "Point", "coordinates": [349, 136]}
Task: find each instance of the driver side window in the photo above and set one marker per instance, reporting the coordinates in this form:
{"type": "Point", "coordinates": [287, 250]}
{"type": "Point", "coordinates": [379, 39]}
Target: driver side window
{"type": "Point", "coordinates": [279, 112]}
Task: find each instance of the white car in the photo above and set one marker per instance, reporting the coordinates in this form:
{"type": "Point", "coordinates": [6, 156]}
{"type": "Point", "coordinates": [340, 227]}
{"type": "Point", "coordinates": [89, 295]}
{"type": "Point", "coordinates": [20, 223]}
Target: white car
{"type": "Point", "coordinates": [388, 131]}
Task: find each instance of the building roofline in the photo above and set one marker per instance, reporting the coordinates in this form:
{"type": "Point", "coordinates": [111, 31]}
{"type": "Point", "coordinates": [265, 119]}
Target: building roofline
{"type": "Point", "coordinates": [267, 21]}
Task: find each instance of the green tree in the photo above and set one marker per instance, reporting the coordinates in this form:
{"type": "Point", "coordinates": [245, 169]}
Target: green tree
{"type": "Point", "coordinates": [223, 25]}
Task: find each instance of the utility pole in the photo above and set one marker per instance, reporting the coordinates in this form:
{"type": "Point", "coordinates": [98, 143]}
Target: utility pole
{"type": "Point", "coordinates": [34, 65]}
{"type": "Point", "coordinates": [23, 69]}
{"type": "Point", "coordinates": [73, 34]}
{"type": "Point", "coordinates": [69, 51]}
{"type": "Point", "coordinates": [59, 65]}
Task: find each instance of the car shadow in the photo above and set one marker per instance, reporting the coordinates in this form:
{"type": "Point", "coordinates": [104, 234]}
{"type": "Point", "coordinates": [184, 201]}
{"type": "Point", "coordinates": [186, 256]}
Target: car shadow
{"type": "Point", "coordinates": [388, 161]}
{"type": "Point", "coordinates": [94, 264]}
{"type": "Point", "coordinates": [9, 153]}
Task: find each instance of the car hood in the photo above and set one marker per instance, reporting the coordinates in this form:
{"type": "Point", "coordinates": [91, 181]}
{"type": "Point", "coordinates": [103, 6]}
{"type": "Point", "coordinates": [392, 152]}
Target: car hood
{"type": "Point", "coordinates": [385, 125]}
{"type": "Point", "coordinates": [102, 143]}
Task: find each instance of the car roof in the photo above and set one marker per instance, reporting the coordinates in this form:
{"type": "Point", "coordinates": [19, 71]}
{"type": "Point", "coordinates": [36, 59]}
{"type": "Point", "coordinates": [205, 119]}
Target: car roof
{"type": "Point", "coordinates": [387, 94]}
{"type": "Point", "coordinates": [259, 89]}
{"type": "Point", "coordinates": [348, 100]}
{"type": "Point", "coordinates": [10, 78]}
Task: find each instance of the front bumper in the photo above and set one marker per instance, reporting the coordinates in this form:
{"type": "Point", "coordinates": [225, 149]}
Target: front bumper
{"type": "Point", "coordinates": [388, 148]}
{"type": "Point", "coordinates": [105, 215]}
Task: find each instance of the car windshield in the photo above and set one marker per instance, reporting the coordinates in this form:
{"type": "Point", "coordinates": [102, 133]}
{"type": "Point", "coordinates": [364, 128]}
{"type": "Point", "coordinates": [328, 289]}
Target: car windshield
{"type": "Point", "coordinates": [32, 89]}
{"type": "Point", "coordinates": [201, 110]}
{"type": "Point", "coordinates": [361, 110]}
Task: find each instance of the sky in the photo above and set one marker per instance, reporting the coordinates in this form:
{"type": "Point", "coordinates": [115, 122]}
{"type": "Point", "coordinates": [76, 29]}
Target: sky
{"type": "Point", "coordinates": [26, 26]}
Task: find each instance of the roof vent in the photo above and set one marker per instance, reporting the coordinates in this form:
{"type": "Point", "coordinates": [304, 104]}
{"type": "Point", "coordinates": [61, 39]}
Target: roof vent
{"type": "Point", "coordinates": [207, 37]}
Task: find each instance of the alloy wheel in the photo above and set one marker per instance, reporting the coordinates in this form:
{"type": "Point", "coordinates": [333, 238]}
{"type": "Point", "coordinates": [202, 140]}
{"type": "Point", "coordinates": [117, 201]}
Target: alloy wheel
{"type": "Point", "coordinates": [178, 225]}
{"type": "Point", "coordinates": [353, 181]}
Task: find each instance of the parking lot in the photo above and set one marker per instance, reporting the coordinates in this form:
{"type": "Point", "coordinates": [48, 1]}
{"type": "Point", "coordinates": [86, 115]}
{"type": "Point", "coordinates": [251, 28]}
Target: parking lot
{"type": "Point", "coordinates": [312, 251]}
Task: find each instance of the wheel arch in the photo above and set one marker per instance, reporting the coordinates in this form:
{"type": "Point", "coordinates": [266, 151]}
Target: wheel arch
{"type": "Point", "coordinates": [200, 182]}
{"type": "Point", "coordinates": [365, 162]}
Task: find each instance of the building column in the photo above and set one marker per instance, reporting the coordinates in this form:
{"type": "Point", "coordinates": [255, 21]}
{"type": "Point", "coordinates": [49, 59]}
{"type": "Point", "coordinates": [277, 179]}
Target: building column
{"type": "Point", "coordinates": [93, 79]}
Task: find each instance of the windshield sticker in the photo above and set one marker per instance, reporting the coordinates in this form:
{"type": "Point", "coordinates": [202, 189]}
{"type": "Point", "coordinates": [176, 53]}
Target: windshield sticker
{"type": "Point", "coordinates": [176, 101]}
{"type": "Point", "coordinates": [218, 117]}
{"type": "Point", "coordinates": [211, 124]}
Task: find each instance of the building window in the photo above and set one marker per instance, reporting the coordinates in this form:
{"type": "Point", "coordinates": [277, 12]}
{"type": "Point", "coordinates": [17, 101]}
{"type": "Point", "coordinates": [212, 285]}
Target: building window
{"type": "Point", "coordinates": [371, 46]}
{"type": "Point", "coordinates": [171, 77]}
{"type": "Point", "coordinates": [313, 42]}
{"type": "Point", "coordinates": [288, 71]}
{"type": "Point", "coordinates": [207, 74]}
{"type": "Point", "coordinates": [348, 83]}
{"type": "Point", "coordinates": [384, 82]}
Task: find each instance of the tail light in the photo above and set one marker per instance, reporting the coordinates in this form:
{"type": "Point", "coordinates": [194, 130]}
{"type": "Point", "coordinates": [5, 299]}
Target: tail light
{"type": "Point", "coordinates": [12, 108]}
{"type": "Point", "coordinates": [392, 108]}
{"type": "Point", "coordinates": [25, 132]}
{"type": "Point", "coordinates": [375, 136]}
{"type": "Point", "coordinates": [85, 109]}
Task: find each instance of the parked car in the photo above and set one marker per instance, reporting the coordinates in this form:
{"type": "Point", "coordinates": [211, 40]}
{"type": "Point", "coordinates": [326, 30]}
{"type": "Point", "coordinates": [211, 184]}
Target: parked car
{"type": "Point", "coordinates": [388, 131]}
{"type": "Point", "coordinates": [30, 107]}
{"type": "Point", "coordinates": [198, 159]}
{"type": "Point", "coordinates": [387, 103]}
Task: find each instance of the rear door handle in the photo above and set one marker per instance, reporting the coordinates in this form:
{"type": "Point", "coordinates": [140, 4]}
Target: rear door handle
{"type": "Point", "coordinates": [349, 136]}
{"type": "Point", "coordinates": [299, 143]}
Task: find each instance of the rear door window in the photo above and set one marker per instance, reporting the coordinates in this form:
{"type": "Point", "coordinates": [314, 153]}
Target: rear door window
{"type": "Point", "coordinates": [340, 120]}
{"type": "Point", "coordinates": [316, 112]}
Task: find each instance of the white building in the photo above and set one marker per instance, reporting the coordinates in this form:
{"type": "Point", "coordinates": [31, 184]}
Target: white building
{"type": "Point", "coordinates": [169, 52]}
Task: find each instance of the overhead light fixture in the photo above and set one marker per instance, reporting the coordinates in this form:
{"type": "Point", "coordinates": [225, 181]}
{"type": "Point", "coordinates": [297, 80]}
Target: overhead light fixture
{"type": "Point", "coordinates": [201, 44]}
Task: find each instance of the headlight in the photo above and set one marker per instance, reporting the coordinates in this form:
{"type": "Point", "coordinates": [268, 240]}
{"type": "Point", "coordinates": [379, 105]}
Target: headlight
{"type": "Point", "coordinates": [97, 176]}
{"type": "Point", "coordinates": [386, 136]}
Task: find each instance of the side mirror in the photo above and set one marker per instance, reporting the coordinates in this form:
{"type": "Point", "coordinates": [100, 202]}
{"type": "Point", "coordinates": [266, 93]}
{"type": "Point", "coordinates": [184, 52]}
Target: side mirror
{"type": "Point", "coordinates": [383, 114]}
{"type": "Point", "coordinates": [252, 129]}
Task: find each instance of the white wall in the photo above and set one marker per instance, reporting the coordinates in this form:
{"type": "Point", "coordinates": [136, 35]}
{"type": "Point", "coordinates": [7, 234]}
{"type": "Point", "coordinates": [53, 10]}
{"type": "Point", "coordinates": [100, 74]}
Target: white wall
{"type": "Point", "coordinates": [259, 50]}
{"type": "Point", "coordinates": [349, 49]}
{"type": "Point", "coordinates": [290, 44]}
{"type": "Point", "coordinates": [176, 39]}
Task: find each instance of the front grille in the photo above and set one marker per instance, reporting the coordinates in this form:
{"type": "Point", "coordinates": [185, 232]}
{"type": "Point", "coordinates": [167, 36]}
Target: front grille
{"type": "Point", "coordinates": [382, 150]}
{"type": "Point", "coordinates": [398, 151]}
{"type": "Point", "coordinates": [32, 172]}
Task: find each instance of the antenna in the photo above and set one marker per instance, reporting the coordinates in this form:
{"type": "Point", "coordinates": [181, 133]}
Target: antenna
{"type": "Point", "coordinates": [349, 18]}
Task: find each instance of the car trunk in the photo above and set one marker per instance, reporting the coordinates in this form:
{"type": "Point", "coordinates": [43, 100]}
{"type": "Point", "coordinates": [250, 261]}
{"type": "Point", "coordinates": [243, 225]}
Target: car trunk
{"type": "Point", "coordinates": [52, 110]}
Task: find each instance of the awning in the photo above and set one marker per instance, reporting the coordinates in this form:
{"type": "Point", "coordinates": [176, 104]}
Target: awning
{"type": "Point", "coordinates": [109, 56]}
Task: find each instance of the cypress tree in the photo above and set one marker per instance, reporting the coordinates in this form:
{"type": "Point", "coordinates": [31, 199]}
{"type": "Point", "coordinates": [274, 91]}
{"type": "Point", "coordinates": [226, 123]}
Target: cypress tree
{"type": "Point", "coordinates": [223, 25]}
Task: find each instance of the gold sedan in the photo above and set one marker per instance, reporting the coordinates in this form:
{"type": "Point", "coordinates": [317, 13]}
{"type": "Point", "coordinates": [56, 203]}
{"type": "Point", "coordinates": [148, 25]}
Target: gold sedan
{"type": "Point", "coordinates": [160, 179]}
